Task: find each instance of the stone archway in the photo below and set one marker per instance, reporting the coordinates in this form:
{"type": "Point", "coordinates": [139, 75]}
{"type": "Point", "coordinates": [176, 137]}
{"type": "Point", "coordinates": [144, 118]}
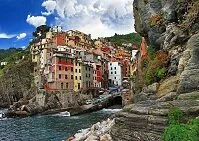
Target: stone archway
{"type": "Point", "coordinates": [117, 100]}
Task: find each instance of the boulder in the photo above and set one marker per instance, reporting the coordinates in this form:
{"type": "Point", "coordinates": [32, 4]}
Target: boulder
{"type": "Point", "coordinates": [167, 86]}
{"type": "Point", "coordinates": [92, 138]}
{"type": "Point", "coordinates": [189, 79]}
{"type": "Point", "coordinates": [193, 95]}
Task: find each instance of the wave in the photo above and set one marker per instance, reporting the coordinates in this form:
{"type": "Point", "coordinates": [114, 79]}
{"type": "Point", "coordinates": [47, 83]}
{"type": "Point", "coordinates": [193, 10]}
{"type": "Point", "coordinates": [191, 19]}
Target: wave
{"type": "Point", "coordinates": [111, 110]}
{"type": "Point", "coordinates": [63, 114]}
{"type": "Point", "coordinates": [3, 119]}
{"type": "Point", "coordinates": [3, 111]}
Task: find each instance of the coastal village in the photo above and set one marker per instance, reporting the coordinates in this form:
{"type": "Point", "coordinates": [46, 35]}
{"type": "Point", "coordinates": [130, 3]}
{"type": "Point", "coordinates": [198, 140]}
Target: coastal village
{"type": "Point", "coordinates": [71, 60]}
{"type": "Point", "coordinates": [68, 85]}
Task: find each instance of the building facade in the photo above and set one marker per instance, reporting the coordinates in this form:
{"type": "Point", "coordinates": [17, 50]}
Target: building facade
{"type": "Point", "coordinates": [115, 73]}
{"type": "Point", "coordinates": [77, 75]}
{"type": "Point", "coordinates": [60, 73]}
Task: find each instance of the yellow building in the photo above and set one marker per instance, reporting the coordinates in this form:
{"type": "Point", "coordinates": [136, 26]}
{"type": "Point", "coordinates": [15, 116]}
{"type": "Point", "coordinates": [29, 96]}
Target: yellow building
{"type": "Point", "coordinates": [99, 44]}
{"type": "Point", "coordinates": [77, 75]}
{"type": "Point", "coordinates": [120, 53]}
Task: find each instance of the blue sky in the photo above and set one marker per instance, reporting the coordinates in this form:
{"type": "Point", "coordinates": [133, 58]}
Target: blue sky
{"type": "Point", "coordinates": [19, 18]}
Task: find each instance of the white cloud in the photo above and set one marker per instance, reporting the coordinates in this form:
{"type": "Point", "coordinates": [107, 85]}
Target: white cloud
{"type": "Point", "coordinates": [21, 36]}
{"type": "Point", "coordinates": [6, 36]}
{"type": "Point", "coordinates": [23, 47]}
{"type": "Point", "coordinates": [50, 6]}
{"type": "Point", "coordinates": [98, 29]}
{"type": "Point", "coordinates": [98, 17]}
{"type": "Point", "coordinates": [36, 20]}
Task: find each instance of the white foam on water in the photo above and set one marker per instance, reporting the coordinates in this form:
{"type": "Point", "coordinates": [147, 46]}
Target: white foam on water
{"type": "Point", "coordinates": [3, 119]}
{"type": "Point", "coordinates": [63, 114]}
{"type": "Point", "coordinates": [111, 110]}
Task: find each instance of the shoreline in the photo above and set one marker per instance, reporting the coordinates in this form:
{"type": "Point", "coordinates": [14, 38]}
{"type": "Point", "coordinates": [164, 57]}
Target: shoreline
{"type": "Point", "coordinates": [25, 110]}
{"type": "Point", "coordinates": [99, 131]}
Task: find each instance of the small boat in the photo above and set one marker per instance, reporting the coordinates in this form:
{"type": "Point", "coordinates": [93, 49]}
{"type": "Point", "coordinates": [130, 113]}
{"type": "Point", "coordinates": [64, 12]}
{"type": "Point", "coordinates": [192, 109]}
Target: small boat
{"type": "Point", "coordinates": [2, 115]}
{"type": "Point", "coordinates": [63, 114]}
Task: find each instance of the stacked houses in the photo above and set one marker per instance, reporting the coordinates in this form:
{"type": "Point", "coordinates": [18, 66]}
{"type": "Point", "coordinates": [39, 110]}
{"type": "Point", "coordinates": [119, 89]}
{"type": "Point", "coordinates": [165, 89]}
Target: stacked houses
{"type": "Point", "coordinates": [72, 60]}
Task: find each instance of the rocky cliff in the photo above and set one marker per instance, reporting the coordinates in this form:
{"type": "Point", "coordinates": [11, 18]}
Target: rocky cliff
{"type": "Point", "coordinates": [15, 82]}
{"type": "Point", "coordinates": [22, 97]}
{"type": "Point", "coordinates": [172, 26]}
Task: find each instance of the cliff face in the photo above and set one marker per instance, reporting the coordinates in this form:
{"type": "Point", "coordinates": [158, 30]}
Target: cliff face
{"type": "Point", "coordinates": [171, 26]}
{"type": "Point", "coordinates": [15, 82]}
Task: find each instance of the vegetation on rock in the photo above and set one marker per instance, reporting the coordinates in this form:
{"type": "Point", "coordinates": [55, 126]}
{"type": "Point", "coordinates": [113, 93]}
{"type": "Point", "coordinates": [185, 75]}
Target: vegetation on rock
{"type": "Point", "coordinates": [15, 78]}
{"type": "Point", "coordinates": [178, 131]}
{"type": "Point", "coordinates": [133, 38]}
{"type": "Point", "coordinates": [41, 31]}
{"type": "Point", "coordinates": [157, 19]}
{"type": "Point", "coordinates": [4, 53]}
{"type": "Point", "coordinates": [154, 67]}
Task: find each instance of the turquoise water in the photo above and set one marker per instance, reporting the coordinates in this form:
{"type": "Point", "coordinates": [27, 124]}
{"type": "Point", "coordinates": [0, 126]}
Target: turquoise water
{"type": "Point", "coordinates": [48, 128]}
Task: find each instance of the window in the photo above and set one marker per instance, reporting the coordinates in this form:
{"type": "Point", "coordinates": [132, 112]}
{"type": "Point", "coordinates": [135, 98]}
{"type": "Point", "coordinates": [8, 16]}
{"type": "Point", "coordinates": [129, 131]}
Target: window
{"type": "Point", "coordinates": [78, 85]}
{"type": "Point", "coordinates": [89, 69]}
{"type": "Point", "coordinates": [79, 70]}
{"type": "Point", "coordinates": [115, 68]}
{"type": "Point", "coordinates": [66, 85]}
{"type": "Point", "coordinates": [111, 68]}
{"type": "Point", "coordinates": [86, 83]}
{"type": "Point", "coordinates": [75, 77]}
{"type": "Point", "coordinates": [86, 74]}
{"type": "Point", "coordinates": [115, 72]}
{"type": "Point", "coordinates": [75, 70]}
{"type": "Point", "coordinates": [111, 72]}
{"type": "Point", "coordinates": [110, 64]}
{"type": "Point", "coordinates": [59, 76]}
{"type": "Point", "coordinates": [71, 68]}
{"type": "Point", "coordinates": [66, 76]}
{"type": "Point", "coordinates": [66, 68]}
{"type": "Point", "coordinates": [80, 78]}
{"type": "Point", "coordinates": [86, 68]}
{"type": "Point", "coordinates": [59, 67]}
{"type": "Point", "coordinates": [89, 75]}
{"type": "Point", "coordinates": [71, 76]}
{"type": "Point", "coordinates": [62, 86]}
{"type": "Point", "coordinates": [76, 63]}
{"type": "Point", "coordinates": [115, 77]}
{"type": "Point", "coordinates": [79, 64]}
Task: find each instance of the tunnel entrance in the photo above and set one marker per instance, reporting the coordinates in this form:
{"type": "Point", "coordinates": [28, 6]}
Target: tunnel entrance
{"type": "Point", "coordinates": [117, 100]}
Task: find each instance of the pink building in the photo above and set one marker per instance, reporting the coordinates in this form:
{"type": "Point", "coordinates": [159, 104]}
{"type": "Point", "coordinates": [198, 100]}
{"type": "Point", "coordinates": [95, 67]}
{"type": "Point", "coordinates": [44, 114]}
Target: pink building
{"type": "Point", "coordinates": [60, 74]}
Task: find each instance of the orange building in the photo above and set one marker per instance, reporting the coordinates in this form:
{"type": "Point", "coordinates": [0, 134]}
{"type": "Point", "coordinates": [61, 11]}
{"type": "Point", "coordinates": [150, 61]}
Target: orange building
{"type": "Point", "coordinates": [120, 53]}
{"type": "Point", "coordinates": [143, 48]}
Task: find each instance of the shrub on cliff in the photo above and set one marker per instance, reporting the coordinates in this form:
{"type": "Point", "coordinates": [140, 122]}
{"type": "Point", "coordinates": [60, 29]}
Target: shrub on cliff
{"type": "Point", "coordinates": [155, 66]}
{"type": "Point", "coordinates": [178, 131]}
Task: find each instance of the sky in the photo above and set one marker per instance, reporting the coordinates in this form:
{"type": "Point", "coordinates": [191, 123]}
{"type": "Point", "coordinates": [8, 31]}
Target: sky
{"type": "Point", "coordinates": [100, 18]}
